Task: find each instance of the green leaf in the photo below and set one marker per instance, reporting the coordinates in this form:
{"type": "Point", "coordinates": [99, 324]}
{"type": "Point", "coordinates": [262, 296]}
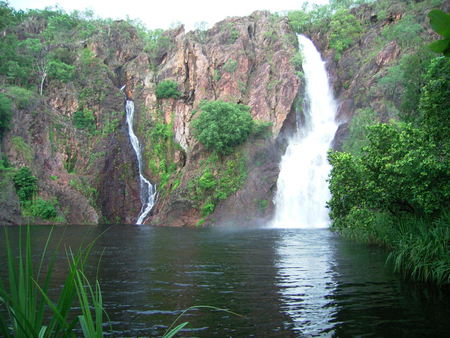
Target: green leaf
{"type": "Point", "coordinates": [440, 22]}
{"type": "Point", "coordinates": [439, 46]}
{"type": "Point", "coordinates": [175, 330]}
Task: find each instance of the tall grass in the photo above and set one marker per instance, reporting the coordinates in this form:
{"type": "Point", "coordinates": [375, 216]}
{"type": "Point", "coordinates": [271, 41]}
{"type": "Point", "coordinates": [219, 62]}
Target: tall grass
{"type": "Point", "coordinates": [419, 247]}
{"type": "Point", "coordinates": [25, 296]}
{"type": "Point", "coordinates": [422, 250]}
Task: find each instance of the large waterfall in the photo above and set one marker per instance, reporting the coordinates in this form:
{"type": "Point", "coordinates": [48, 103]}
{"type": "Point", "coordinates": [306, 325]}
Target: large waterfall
{"type": "Point", "coordinates": [302, 189]}
{"type": "Point", "coordinates": [148, 191]}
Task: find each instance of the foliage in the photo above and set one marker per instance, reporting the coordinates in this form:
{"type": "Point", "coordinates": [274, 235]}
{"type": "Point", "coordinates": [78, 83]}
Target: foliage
{"type": "Point", "coordinates": [232, 32]}
{"type": "Point", "coordinates": [299, 20]}
{"type": "Point", "coordinates": [357, 130]}
{"type": "Point", "coordinates": [401, 176]}
{"type": "Point", "coordinates": [157, 43]}
{"type": "Point", "coordinates": [262, 128]}
{"type": "Point", "coordinates": [160, 152]}
{"type": "Point", "coordinates": [422, 249]}
{"type": "Point", "coordinates": [406, 32]}
{"type": "Point", "coordinates": [60, 70]}
{"type": "Point", "coordinates": [344, 29]}
{"type": "Point", "coordinates": [43, 209]}
{"type": "Point", "coordinates": [434, 104]}
{"type": "Point", "coordinates": [85, 120]}
{"type": "Point", "coordinates": [167, 89]}
{"type": "Point", "coordinates": [220, 178]}
{"type": "Point", "coordinates": [27, 300]}
{"type": "Point", "coordinates": [440, 22]}
{"type": "Point", "coordinates": [25, 184]}
{"type": "Point", "coordinates": [230, 66]}
{"type": "Point", "coordinates": [221, 126]}
{"type": "Point", "coordinates": [22, 148]}
{"type": "Point", "coordinates": [22, 97]}
{"type": "Point", "coordinates": [5, 114]}
{"type": "Point", "coordinates": [297, 61]}
{"type": "Point", "coordinates": [85, 187]}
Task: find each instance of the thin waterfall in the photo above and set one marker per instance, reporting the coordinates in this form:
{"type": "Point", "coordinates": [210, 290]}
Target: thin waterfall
{"type": "Point", "coordinates": [302, 189]}
{"type": "Point", "coordinates": [148, 191]}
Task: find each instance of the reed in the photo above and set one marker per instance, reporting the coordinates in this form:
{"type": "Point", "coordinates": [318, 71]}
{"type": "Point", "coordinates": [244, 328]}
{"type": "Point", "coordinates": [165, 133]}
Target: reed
{"type": "Point", "coordinates": [422, 250]}
{"type": "Point", "coordinates": [25, 295]}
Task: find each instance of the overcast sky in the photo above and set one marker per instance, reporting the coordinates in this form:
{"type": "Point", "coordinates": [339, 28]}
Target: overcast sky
{"type": "Point", "coordinates": [164, 13]}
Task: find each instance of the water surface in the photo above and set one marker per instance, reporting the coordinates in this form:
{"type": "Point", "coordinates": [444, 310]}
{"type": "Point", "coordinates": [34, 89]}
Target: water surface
{"type": "Point", "coordinates": [285, 282]}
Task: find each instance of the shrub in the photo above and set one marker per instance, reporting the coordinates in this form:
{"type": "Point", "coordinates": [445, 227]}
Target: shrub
{"type": "Point", "coordinates": [43, 209]}
{"type": "Point", "coordinates": [23, 98]}
{"type": "Point", "coordinates": [22, 148]}
{"type": "Point", "coordinates": [60, 70]}
{"type": "Point", "coordinates": [230, 66]}
{"type": "Point", "coordinates": [5, 114]}
{"type": "Point", "coordinates": [84, 119]}
{"type": "Point", "coordinates": [25, 184]}
{"type": "Point", "coordinates": [167, 89]}
{"type": "Point", "coordinates": [222, 126]}
{"type": "Point", "coordinates": [344, 30]}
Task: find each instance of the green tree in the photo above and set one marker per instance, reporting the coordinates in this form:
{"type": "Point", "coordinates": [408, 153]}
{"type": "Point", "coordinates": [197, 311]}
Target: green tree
{"type": "Point", "coordinates": [167, 89]}
{"type": "Point", "coordinates": [84, 119]}
{"type": "Point", "coordinates": [221, 126]}
{"type": "Point", "coordinates": [344, 30]}
{"type": "Point", "coordinates": [435, 104]}
{"type": "Point", "coordinates": [25, 184]}
{"type": "Point", "coordinates": [5, 114]}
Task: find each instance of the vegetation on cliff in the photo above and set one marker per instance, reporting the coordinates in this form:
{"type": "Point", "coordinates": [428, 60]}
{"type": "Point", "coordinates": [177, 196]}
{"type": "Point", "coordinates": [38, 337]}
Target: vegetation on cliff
{"type": "Point", "coordinates": [391, 185]}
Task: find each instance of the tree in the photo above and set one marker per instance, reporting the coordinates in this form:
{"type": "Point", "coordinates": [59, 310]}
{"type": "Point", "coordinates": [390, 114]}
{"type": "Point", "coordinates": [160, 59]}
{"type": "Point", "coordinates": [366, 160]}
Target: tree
{"type": "Point", "coordinates": [5, 114]}
{"type": "Point", "coordinates": [25, 184]}
{"type": "Point", "coordinates": [167, 89]}
{"type": "Point", "coordinates": [222, 126]}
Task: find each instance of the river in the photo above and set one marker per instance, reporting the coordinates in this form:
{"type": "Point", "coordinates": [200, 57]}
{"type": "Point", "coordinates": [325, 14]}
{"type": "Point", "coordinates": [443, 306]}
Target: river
{"type": "Point", "coordinates": [285, 282]}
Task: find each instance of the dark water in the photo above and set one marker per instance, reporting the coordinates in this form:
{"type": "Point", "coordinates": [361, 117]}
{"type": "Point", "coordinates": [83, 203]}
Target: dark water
{"type": "Point", "coordinates": [293, 282]}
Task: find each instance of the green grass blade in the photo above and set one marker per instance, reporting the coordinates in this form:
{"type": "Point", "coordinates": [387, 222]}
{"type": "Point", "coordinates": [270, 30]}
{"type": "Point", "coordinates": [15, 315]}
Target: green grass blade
{"type": "Point", "coordinates": [175, 330]}
{"type": "Point", "coordinates": [200, 307]}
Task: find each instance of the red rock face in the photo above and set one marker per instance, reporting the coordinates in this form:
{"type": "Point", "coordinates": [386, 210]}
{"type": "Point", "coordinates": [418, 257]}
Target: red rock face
{"type": "Point", "coordinates": [241, 60]}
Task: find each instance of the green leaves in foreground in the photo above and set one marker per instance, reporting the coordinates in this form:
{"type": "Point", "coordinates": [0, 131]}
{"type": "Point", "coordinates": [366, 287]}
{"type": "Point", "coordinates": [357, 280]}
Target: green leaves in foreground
{"type": "Point", "coordinates": [440, 22]}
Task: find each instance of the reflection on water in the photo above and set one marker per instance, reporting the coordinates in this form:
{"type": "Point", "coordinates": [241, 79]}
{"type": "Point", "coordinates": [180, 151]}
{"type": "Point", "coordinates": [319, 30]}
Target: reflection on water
{"type": "Point", "coordinates": [305, 278]}
{"type": "Point", "coordinates": [285, 282]}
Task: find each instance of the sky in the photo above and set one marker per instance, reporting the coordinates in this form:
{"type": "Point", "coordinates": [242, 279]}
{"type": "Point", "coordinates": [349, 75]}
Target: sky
{"type": "Point", "coordinates": [166, 13]}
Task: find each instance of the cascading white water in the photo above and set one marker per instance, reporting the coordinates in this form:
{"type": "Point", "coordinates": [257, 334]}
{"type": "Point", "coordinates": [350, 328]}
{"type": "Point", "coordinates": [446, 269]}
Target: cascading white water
{"type": "Point", "coordinates": [302, 189]}
{"type": "Point", "coordinates": [148, 191]}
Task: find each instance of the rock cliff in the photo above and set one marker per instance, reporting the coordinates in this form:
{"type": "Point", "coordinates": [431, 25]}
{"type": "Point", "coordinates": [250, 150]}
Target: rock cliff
{"type": "Point", "coordinates": [92, 172]}
{"type": "Point", "coordinates": [74, 137]}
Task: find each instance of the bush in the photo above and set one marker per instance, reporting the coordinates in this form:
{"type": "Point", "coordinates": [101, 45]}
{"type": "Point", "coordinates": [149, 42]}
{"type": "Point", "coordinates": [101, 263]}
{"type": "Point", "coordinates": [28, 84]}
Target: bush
{"type": "Point", "coordinates": [23, 98]}
{"type": "Point", "coordinates": [5, 114]}
{"type": "Point", "coordinates": [60, 70]}
{"type": "Point", "coordinates": [230, 66]}
{"type": "Point", "coordinates": [222, 126]}
{"type": "Point", "coordinates": [167, 89]}
{"type": "Point", "coordinates": [25, 184]}
{"type": "Point", "coordinates": [84, 119]}
{"type": "Point", "coordinates": [43, 209]}
{"type": "Point", "coordinates": [344, 30]}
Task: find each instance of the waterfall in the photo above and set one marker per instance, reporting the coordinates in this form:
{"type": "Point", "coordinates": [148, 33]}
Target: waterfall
{"type": "Point", "coordinates": [148, 191]}
{"type": "Point", "coordinates": [302, 189]}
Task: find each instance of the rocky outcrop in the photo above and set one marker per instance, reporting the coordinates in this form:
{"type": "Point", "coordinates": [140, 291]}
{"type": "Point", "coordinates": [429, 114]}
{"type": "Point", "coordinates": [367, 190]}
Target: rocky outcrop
{"type": "Point", "coordinates": [241, 60]}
